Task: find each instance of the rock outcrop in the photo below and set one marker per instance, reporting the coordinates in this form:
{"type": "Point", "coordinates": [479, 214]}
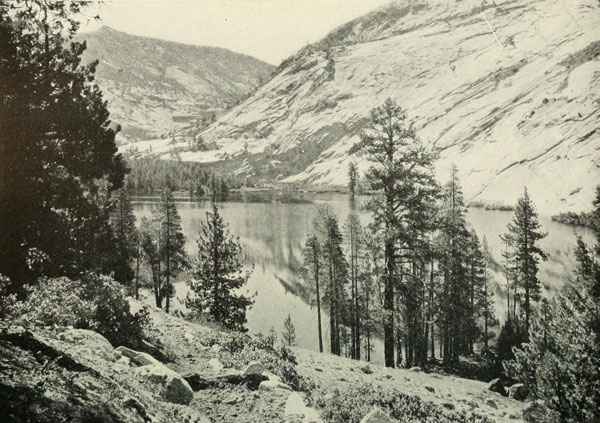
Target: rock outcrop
{"type": "Point", "coordinates": [173, 387]}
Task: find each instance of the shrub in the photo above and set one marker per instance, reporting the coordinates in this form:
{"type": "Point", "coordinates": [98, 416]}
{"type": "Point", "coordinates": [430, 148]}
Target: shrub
{"type": "Point", "coordinates": [93, 302]}
{"type": "Point", "coordinates": [352, 404]}
{"type": "Point", "coordinates": [240, 349]}
{"type": "Point", "coordinates": [7, 299]}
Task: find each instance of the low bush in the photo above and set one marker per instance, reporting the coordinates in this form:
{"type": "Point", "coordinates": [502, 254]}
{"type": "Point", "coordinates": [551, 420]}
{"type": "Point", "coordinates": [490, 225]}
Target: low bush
{"type": "Point", "coordinates": [240, 349]}
{"type": "Point", "coordinates": [352, 404]}
{"type": "Point", "coordinates": [93, 302]}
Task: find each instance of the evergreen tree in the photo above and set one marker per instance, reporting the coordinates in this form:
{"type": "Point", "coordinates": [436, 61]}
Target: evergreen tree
{"type": "Point", "coordinates": [172, 244]}
{"type": "Point", "coordinates": [59, 157]}
{"type": "Point", "coordinates": [352, 178]}
{"type": "Point", "coordinates": [403, 174]}
{"type": "Point", "coordinates": [163, 244]}
{"type": "Point", "coordinates": [335, 275]}
{"type": "Point", "coordinates": [218, 275]}
{"type": "Point", "coordinates": [523, 235]}
{"type": "Point", "coordinates": [486, 302]}
{"type": "Point", "coordinates": [455, 296]}
{"type": "Point", "coordinates": [289, 331]}
{"type": "Point", "coordinates": [311, 271]}
{"type": "Point", "coordinates": [560, 363]}
{"type": "Point", "coordinates": [353, 230]}
{"type": "Point", "coordinates": [126, 237]}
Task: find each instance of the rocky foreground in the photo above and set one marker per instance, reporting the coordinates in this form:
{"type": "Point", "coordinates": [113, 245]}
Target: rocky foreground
{"type": "Point", "coordinates": [58, 374]}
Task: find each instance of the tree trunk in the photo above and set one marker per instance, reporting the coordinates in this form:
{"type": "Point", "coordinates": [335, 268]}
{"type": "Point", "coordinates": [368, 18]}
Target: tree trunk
{"type": "Point", "coordinates": [316, 261]}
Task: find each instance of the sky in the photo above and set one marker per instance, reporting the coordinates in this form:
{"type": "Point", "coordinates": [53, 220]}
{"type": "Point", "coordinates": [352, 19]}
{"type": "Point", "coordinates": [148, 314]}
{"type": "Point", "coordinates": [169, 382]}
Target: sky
{"type": "Point", "coordinates": [270, 30]}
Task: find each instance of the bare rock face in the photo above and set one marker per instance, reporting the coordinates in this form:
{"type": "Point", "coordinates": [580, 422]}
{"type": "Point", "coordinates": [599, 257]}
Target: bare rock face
{"type": "Point", "coordinates": [173, 387]}
{"type": "Point", "coordinates": [196, 82]}
{"type": "Point", "coordinates": [518, 109]}
{"type": "Point", "coordinates": [376, 416]}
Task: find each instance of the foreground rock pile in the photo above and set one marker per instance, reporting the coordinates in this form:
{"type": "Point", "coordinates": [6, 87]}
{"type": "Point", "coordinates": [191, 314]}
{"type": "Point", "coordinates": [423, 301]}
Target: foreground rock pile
{"type": "Point", "coordinates": [64, 374]}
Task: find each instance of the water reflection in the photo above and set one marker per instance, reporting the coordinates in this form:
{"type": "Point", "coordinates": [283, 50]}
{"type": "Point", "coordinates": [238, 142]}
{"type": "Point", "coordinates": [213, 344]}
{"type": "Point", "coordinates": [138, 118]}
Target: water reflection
{"type": "Point", "coordinates": [272, 228]}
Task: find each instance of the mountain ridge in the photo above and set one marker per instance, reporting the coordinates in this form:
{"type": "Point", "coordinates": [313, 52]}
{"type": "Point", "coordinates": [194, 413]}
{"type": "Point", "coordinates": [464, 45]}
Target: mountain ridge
{"type": "Point", "coordinates": [157, 86]}
{"type": "Point", "coordinates": [504, 90]}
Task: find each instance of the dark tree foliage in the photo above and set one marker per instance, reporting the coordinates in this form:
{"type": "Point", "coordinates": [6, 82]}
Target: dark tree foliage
{"type": "Point", "coordinates": [172, 244]}
{"type": "Point", "coordinates": [402, 172]}
{"type": "Point", "coordinates": [335, 275]}
{"type": "Point", "coordinates": [219, 275]}
{"type": "Point", "coordinates": [311, 272]}
{"type": "Point", "coordinates": [126, 237]}
{"type": "Point", "coordinates": [523, 236]}
{"type": "Point", "coordinates": [352, 178]}
{"type": "Point", "coordinates": [163, 244]}
{"type": "Point", "coordinates": [150, 175]}
{"type": "Point", "coordinates": [289, 332]}
{"type": "Point", "coordinates": [58, 152]}
{"type": "Point", "coordinates": [560, 363]}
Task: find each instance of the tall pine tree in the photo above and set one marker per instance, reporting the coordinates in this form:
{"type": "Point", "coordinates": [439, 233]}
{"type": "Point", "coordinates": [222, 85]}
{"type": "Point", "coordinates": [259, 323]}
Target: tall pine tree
{"type": "Point", "coordinates": [523, 235]}
{"type": "Point", "coordinates": [219, 275]}
{"type": "Point", "coordinates": [402, 172]}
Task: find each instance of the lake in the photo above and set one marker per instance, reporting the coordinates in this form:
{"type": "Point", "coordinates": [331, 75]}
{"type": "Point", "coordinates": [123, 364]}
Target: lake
{"type": "Point", "coordinates": [272, 228]}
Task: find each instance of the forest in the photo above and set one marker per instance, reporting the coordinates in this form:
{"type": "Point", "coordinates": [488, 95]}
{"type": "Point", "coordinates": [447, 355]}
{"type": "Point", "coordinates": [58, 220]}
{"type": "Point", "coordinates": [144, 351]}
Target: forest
{"type": "Point", "coordinates": [415, 275]}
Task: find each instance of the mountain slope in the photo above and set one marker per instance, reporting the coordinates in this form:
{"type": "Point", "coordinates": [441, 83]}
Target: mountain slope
{"type": "Point", "coordinates": [154, 86]}
{"type": "Point", "coordinates": [523, 109]}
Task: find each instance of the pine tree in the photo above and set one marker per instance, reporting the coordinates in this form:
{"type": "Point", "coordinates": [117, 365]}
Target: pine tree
{"type": "Point", "coordinates": [524, 234]}
{"type": "Point", "coordinates": [125, 235]}
{"type": "Point", "coordinates": [454, 304]}
{"type": "Point", "coordinates": [335, 275]}
{"type": "Point", "coordinates": [353, 230]}
{"type": "Point", "coordinates": [403, 174]}
{"type": "Point", "coordinates": [163, 245]}
{"type": "Point", "coordinates": [352, 178]}
{"type": "Point", "coordinates": [59, 157]}
{"type": "Point", "coordinates": [218, 275]}
{"type": "Point", "coordinates": [560, 362]}
{"type": "Point", "coordinates": [289, 331]}
{"type": "Point", "coordinates": [312, 268]}
{"type": "Point", "coordinates": [486, 302]}
{"type": "Point", "coordinates": [172, 244]}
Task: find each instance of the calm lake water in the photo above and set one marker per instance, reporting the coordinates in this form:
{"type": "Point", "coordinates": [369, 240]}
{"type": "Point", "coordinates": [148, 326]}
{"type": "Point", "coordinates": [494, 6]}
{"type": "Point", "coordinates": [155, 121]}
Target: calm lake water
{"type": "Point", "coordinates": [272, 228]}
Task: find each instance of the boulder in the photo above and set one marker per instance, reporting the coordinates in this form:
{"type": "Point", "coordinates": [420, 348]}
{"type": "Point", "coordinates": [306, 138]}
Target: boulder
{"type": "Point", "coordinates": [138, 357]}
{"type": "Point", "coordinates": [127, 352]}
{"type": "Point", "coordinates": [188, 337]}
{"type": "Point", "coordinates": [270, 385]}
{"type": "Point", "coordinates": [295, 406]}
{"type": "Point", "coordinates": [215, 364]}
{"type": "Point", "coordinates": [415, 369]}
{"type": "Point", "coordinates": [518, 391]}
{"type": "Point", "coordinates": [497, 386]}
{"type": "Point", "coordinates": [144, 359]}
{"type": "Point", "coordinates": [430, 389]}
{"type": "Point", "coordinates": [126, 361]}
{"type": "Point", "coordinates": [173, 387]}
{"type": "Point", "coordinates": [254, 368]}
{"type": "Point", "coordinates": [490, 403]}
{"type": "Point", "coordinates": [376, 416]}
{"type": "Point", "coordinates": [87, 342]}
